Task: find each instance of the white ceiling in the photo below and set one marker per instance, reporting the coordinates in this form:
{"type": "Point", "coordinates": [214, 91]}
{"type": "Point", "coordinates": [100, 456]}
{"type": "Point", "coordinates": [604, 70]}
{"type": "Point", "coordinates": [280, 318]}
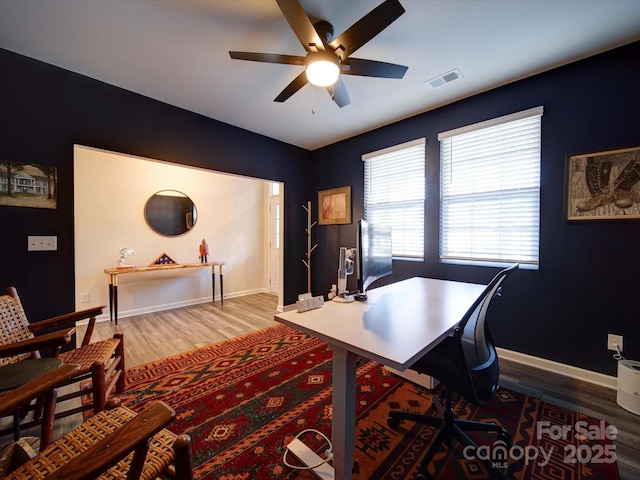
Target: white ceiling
{"type": "Point", "coordinates": [176, 51]}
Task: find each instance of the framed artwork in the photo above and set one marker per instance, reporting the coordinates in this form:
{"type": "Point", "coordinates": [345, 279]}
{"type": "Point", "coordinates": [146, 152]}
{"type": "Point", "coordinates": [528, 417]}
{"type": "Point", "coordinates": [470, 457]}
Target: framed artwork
{"type": "Point", "coordinates": [603, 185]}
{"type": "Point", "coordinates": [334, 206]}
{"type": "Point", "coordinates": [28, 185]}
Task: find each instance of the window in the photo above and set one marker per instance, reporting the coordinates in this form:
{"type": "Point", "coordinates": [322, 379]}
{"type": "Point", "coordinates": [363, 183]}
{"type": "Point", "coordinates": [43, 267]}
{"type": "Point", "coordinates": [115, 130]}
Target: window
{"type": "Point", "coordinates": [490, 191]}
{"type": "Point", "coordinates": [394, 195]}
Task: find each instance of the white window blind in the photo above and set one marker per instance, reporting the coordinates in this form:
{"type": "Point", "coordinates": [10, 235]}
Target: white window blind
{"type": "Point", "coordinates": [490, 190]}
{"type": "Point", "coordinates": [394, 195]}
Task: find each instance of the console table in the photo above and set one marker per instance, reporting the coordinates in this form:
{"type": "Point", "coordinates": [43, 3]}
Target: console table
{"type": "Point", "coordinates": [114, 272]}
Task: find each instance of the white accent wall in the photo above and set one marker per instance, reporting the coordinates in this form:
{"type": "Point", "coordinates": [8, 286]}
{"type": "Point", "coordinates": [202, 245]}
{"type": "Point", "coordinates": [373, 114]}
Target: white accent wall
{"type": "Point", "coordinates": [110, 192]}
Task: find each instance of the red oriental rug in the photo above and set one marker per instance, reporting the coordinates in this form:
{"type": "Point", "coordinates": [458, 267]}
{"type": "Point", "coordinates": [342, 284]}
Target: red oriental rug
{"type": "Point", "coordinates": [243, 400]}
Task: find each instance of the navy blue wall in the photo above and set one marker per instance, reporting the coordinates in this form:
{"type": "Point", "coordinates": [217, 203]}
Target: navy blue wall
{"type": "Point", "coordinates": [588, 281]}
{"type": "Point", "coordinates": [46, 110]}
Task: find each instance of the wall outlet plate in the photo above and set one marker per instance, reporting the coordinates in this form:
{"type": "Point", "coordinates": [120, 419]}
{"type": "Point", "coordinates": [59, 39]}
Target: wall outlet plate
{"type": "Point", "coordinates": [42, 243]}
{"type": "Point", "coordinates": [310, 304]}
{"type": "Point", "coordinates": [613, 340]}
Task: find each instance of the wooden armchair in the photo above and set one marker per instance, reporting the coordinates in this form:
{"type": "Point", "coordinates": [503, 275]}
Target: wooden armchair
{"type": "Point", "coordinates": [100, 362]}
{"type": "Point", "coordinates": [112, 444]}
{"type": "Point", "coordinates": [13, 400]}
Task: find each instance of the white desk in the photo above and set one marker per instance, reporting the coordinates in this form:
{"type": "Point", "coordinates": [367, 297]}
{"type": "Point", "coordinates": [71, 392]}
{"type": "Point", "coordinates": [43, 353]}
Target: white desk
{"type": "Point", "coordinates": [396, 325]}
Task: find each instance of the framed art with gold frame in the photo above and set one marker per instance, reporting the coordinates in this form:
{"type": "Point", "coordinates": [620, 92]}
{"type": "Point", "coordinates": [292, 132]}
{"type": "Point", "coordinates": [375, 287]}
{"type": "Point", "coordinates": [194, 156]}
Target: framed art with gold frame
{"type": "Point", "coordinates": [334, 206]}
{"type": "Point", "coordinates": [603, 185]}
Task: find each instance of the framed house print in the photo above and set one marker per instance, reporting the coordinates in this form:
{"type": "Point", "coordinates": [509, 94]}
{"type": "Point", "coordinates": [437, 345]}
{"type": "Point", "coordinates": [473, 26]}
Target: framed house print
{"type": "Point", "coordinates": [28, 185]}
{"type": "Point", "coordinates": [603, 185]}
{"type": "Point", "coordinates": [334, 206]}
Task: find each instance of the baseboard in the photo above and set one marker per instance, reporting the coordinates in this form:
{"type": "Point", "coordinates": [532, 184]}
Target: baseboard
{"type": "Point", "coordinates": [588, 376]}
{"type": "Point", "coordinates": [570, 371]}
{"type": "Point", "coordinates": [170, 306]}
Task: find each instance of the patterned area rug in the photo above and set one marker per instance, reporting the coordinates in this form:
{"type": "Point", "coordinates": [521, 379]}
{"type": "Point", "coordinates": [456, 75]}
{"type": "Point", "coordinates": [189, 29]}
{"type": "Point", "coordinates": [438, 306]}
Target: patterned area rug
{"type": "Point", "coordinates": [243, 400]}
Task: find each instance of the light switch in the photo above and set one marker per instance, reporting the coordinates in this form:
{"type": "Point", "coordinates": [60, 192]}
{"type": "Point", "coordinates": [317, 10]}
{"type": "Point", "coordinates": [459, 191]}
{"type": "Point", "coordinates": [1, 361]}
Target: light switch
{"type": "Point", "coordinates": [42, 243]}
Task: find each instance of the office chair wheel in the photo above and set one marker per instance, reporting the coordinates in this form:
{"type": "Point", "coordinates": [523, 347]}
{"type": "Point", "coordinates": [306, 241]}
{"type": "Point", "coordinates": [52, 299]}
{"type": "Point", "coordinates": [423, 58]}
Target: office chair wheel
{"type": "Point", "coordinates": [393, 422]}
{"type": "Point", "coordinates": [505, 437]}
{"type": "Point", "coordinates": [424, 476]}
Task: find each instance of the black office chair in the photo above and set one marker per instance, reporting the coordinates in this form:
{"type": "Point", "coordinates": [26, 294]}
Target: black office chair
{"type": "Point", "coordinates": [466, 363]}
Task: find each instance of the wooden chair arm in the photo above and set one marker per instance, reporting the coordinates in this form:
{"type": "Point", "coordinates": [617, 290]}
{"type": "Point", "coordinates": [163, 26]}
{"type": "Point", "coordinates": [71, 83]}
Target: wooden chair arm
{"type": "Point", "coordinates": [105, 453]}
{"type": "Point", "coordinates": [52, 339]}
{"type": "Point", "coordinates": [70, 319]}
{"type": "Point", "coordinates": [12, 400]}
{"type": "Point", "coordinates": [66, 319]}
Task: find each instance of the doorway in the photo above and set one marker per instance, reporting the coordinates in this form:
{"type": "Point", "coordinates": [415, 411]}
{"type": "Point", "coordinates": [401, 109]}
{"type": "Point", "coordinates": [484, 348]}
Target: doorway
{"type": "Point", "coordinates": [275, 238]}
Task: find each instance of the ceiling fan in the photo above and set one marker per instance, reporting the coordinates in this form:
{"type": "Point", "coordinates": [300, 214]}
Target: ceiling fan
{"type": "Point", "coordinates": [335, 54]}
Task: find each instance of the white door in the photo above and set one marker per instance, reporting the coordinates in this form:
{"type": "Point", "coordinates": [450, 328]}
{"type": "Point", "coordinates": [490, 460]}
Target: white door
{"type": "Point", "coordinates": [275, 240]}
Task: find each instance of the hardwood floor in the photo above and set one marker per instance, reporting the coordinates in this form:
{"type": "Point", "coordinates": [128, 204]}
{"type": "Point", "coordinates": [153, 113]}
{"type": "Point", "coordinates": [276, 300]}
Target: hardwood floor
{"type": "Point", "coordinates": [153, 336]}
{"type": "Point", "coordinates": [598, 402]}
{"type": "Point", "coordinates": [157, 335]}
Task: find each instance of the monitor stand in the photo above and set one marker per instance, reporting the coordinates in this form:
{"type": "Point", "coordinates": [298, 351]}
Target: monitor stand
{"type": "Point", "coordinates": [343, 298]}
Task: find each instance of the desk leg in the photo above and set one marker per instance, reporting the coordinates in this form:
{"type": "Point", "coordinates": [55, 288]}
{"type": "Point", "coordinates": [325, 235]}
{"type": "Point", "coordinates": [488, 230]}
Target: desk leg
{"type": "Point", "coordinates": [213, 284]}
{"type": "Point", "coordinates": [221, 286]}
{"type": "Point", "coordinates": [110, 299]}
{"type": "Point", "coordinates": [115, 298]}
{"type": "Point", "coordinates": [344, 412]}
{"type": "Point", "coordinates": [343, 423]}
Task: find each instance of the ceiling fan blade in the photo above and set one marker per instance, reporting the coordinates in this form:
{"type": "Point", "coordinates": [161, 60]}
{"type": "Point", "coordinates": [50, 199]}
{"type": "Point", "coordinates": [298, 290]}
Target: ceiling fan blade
{"type": "Point", "coordinates": [339, 93]}
{"type": "Point", "coordinates": [268, 57]}
{"type": "Point", "coordinates": [301, 25]}
{"type": "Point", "coordinates": [366, 28]}
{"type": "Point", "coordinates": [372, 68]}
{"type": "Point", "coordinates": [297, 83]}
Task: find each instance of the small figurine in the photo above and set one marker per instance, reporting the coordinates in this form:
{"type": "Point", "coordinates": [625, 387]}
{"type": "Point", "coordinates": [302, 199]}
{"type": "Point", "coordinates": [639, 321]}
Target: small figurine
{"type": "Point", "coordinates": [204, 251]}
{"type": "Point", "coordinates": [124, 253]}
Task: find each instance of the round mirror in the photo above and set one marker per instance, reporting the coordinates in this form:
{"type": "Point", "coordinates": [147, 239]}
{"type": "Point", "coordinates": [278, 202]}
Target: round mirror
{"type": "Point", "coordinates": [170, 213]}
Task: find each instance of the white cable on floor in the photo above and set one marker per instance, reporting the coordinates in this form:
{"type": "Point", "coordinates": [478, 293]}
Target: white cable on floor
{"type": "Point", "coordinates": [328, 452]}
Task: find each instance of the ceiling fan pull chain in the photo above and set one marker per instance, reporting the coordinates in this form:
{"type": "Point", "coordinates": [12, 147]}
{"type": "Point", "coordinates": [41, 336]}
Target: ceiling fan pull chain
{"type": "Point", "coordinates": [313, 99]}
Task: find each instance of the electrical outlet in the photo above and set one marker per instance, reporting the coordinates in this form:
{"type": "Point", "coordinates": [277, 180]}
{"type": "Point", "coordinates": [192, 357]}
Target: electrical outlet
{"type": "Point", "coordinates": [613, 340]}
{"type": "Point", "coordinates": [85, 298]}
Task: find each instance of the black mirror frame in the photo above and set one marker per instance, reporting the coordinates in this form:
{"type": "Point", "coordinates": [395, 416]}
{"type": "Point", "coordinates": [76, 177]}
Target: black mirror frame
{"type": "Point", "coordinates": [167, 215]}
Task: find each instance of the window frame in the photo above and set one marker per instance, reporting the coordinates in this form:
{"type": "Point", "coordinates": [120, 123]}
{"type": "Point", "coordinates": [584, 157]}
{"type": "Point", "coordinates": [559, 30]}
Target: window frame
{"type": "Point", "coordinates": [522, 130]}
{"type": "Point", "coordinates": [406, 164]}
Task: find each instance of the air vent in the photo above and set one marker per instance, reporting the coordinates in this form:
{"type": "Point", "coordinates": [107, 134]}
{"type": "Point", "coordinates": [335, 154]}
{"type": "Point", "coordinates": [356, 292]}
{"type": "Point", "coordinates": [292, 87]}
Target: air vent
{"type": "Point", "coordinates": [444, 78]}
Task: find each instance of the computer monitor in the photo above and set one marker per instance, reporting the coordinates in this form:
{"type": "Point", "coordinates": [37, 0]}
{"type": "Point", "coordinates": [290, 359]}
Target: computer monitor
{"type": "Point", "coordinates": [374, 259]}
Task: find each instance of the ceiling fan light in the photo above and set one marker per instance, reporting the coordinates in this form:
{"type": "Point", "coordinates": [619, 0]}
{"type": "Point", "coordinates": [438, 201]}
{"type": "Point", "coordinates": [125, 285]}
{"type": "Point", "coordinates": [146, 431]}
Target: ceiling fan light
{"type": "Point", "coordinates": [323, 73]}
